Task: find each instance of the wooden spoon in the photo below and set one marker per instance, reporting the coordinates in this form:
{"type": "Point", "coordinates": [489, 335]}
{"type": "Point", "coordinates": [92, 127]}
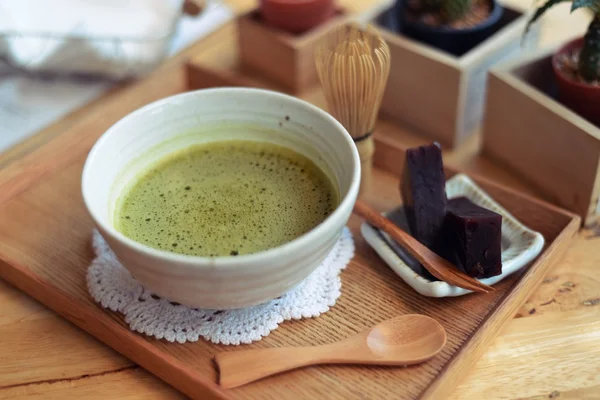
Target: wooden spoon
{"type": "Point", "coordinates": [405, 340]}
{"type": "Point", "coordinates": [436, 265]}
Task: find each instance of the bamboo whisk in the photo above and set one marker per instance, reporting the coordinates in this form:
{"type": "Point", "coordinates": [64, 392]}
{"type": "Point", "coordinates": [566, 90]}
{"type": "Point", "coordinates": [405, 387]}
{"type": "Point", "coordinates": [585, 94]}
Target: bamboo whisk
{"type": "Point", "coordinates": [353, 66]}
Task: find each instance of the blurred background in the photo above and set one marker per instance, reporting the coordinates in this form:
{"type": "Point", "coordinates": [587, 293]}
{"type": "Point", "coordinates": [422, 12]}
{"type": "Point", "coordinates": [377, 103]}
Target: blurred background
{"type": "Point", "coordinates": [58, 55]}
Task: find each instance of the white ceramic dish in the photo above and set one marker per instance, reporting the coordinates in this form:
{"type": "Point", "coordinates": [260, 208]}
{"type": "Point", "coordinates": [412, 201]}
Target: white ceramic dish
{"type": "Point", "coordinates": [520, 245]}
{"type": "Point", "coordinates": [157, 129]}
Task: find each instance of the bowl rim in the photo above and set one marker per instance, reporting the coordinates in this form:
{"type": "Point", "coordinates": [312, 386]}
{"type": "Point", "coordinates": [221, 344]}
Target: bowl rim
{"type": "Point", "coordinates": [291, 247]}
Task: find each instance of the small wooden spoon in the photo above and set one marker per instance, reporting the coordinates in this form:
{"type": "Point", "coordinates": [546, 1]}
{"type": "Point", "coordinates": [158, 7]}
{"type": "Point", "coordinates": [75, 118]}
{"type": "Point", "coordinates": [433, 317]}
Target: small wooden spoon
{"type": "Point", "coordinates": [405, 340]}
{"type": "Point", "coordinates": [436, 265]}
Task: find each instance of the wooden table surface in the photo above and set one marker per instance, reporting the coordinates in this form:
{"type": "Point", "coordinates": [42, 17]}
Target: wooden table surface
{"type": "Point", "coordinates": [550, 350]}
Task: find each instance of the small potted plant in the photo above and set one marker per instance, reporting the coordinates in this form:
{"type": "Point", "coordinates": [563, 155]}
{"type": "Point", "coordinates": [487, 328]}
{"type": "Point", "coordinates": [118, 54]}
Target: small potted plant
{"type": "Point", "coordinates": [277, 39]}
{"type": "Point", "coordinates": [296, 16]}
{"type": "Point", "coordinates": [576, 65]}
{"type": "Point", "coordinates": [455, 26]}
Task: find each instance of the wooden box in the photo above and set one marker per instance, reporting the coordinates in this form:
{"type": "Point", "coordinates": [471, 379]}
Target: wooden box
{"type": "Point", "coordinates": [285, 58]}
{"type": "Point", "coordinates": [544, 142]}
{"type": "Point", "coordinates": [442, 96]}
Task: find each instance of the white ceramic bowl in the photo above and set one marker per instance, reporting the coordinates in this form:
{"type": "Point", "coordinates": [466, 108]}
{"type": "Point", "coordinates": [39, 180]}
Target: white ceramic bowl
{"type": "Point", "coordinates": [148, 134]}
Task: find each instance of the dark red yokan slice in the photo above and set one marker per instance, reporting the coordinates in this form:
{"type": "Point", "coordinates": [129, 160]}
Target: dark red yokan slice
{"type": "Point", "coordinates": [472, 237]}
{"type": "Point", "coordinates": [423, 190]}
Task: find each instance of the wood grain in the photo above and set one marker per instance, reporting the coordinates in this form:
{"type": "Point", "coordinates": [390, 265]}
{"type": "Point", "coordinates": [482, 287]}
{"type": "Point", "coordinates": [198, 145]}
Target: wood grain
{"type": "Point", "coordinates": [131, 383]}
{"type": "Point", "coordinates": [578, 268]}
{"type": "Point", "coordinates": [26, 324]}
{"type": "Point", "coordinates": [50, 338]}
{"type": "Point", "coordinates": [563, 344]}
{"type": "Point", "coordinates": [16, 308]}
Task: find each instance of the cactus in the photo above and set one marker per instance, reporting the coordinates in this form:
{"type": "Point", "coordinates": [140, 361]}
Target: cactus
{"type": "Point", "coordinates": [589, 58]}
{"type": "Point", "coordinates": [432, 4]}
{"type": "Point", "coordinates": [449, 10]}
{"type": "Point", "coordinates": [455, 9]}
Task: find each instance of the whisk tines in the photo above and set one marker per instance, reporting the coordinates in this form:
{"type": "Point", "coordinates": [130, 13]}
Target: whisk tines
{"type": "Point", "coordinates": [353, 66]}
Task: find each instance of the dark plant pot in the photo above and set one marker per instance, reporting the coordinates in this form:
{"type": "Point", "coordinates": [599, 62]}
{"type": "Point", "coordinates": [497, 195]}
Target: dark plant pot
{"type": "Point", "coordinates": [296, 16]}
{"type": "Point", "coordinates": [580, 97]}
{"type": "Point", "coordinates": [451, 40]}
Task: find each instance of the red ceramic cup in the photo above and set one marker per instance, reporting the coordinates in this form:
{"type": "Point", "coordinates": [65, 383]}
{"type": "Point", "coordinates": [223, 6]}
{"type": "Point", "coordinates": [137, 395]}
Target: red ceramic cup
{"type": "Point", "coordinates": [582, 98]}
{"type": "Point", "coordinates": [296, 16]}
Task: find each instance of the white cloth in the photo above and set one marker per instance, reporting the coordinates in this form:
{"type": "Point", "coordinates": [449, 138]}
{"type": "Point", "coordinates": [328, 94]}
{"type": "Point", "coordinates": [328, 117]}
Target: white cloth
{"type": "Point", "coordinates": [111, 285]}
{"type": "Point", "coordinates": [28, 105]}
{"type": "Point", "coordinates": [96, 36]}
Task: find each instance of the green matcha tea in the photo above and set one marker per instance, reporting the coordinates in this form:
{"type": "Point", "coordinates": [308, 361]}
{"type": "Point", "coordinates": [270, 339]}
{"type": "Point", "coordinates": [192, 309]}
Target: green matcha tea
{"type": "Point", "coordinates": [225, 198]}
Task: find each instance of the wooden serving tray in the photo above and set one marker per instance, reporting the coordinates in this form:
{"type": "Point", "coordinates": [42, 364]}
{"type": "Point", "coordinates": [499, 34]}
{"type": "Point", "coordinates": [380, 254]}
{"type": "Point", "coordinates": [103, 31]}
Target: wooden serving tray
{"type": "Point", "coordinates": [45, 250]}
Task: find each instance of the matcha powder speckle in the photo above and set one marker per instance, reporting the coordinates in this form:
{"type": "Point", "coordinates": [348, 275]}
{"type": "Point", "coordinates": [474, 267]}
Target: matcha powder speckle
{"type": "Point", "coordinates": [226, 199]}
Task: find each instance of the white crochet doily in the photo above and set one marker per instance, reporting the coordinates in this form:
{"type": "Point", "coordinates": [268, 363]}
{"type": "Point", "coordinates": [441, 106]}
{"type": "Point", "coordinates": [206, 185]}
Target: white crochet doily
{"type": "Point", "coordinates": [111, 285]}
